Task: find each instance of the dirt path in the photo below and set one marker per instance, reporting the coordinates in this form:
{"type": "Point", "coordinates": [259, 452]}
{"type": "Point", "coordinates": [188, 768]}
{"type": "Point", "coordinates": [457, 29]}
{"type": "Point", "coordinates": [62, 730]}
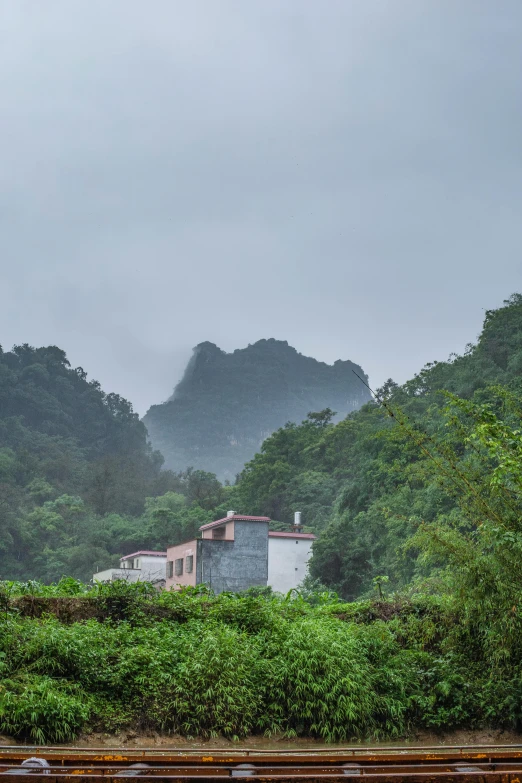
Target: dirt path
{"type": "Point", "coordinates": [133, 740]}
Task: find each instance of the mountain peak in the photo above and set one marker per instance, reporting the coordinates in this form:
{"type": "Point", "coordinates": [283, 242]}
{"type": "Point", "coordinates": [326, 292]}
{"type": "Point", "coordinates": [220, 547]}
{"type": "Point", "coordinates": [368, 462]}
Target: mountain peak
{"type": "Point", "coordinates": [227, 404]}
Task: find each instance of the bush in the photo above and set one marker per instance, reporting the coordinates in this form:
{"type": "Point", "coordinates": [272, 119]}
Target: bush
{"type": "Point", "coordinates": [235, 664]}
{"type": "Point", "coordinates": [42, 710]}
{"type": "Point", "coordinates": [215, 689]}
{"type": "Point", "coordinates": [322, 682]}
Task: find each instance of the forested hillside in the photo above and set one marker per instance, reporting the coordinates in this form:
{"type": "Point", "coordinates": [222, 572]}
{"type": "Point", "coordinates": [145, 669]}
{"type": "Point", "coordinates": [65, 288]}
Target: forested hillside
{"type": "Point", "coordinates": [369, 483]}
{"type": "Point", "coordinates": [421, 491]}
{"type": "Point", "coordinates": [79, 484]}
{"type": "Point", "coordinates": [227, 403]}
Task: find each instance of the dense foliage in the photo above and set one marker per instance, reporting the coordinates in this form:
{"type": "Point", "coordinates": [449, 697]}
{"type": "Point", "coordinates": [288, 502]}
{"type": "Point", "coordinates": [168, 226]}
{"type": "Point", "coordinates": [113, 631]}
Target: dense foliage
{"type": "Point", "coordinates": [79, 484]}
{"type": "Point", "coordinates": [227, 403]}
{"type": "Point", "coordinates": [417, 460]}
{"type": "Point", "coordinates": [122, 656]}
{"type": "Point", "coordinates": [418, 501]}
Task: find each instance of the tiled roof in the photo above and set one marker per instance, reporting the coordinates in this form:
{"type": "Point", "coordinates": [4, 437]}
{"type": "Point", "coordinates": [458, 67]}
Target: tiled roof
{"type": "Point", "coordinates": [274, 534]}
{"type": "Point", "coordinates": [146, 552]}
{"type": "Point", "coordinates": [237, 517]}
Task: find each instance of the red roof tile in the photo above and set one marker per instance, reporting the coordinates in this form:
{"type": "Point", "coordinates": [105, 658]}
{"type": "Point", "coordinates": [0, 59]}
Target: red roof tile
{"type": "Point", "coordinates": [277, 534]}
{"type": "Point", "coordinates": [238, 517]}
{"type": "Point", "coordinates": [147, 552]}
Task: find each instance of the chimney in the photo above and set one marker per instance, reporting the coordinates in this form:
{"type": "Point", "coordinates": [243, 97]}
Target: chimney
{"type": "Point", "coordinates": [297, 522]}
{"type": "Point", "coordinates": [230, 513]}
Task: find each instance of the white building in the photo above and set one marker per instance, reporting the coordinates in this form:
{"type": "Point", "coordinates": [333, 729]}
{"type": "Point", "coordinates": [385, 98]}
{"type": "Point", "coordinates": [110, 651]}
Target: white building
{"type": "Point", "coordinates": [288, 556]}
{"type": "Point", "coordinates": [143, 566]}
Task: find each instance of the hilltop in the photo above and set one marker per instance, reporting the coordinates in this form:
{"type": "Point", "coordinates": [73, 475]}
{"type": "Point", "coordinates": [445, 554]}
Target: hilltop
{"type": "Point", "coordinates": [76, 470]}
{"type": "Point", "coordinates": [369, 483]}
{"type": "Point", "coordinates": [227, 404]}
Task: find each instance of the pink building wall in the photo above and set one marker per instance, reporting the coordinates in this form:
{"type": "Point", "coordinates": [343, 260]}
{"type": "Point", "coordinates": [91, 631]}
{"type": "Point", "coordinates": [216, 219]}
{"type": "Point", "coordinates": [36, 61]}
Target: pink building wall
{"type": "Point", "coordinates": [182, 551]}
{"type": "Point", "coordinates": [229, 531]}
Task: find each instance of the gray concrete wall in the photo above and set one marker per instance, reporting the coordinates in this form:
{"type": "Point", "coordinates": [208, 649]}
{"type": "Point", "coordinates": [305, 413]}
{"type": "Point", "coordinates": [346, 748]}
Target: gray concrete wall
{"type": "Point", "coordinates": [238, 564]}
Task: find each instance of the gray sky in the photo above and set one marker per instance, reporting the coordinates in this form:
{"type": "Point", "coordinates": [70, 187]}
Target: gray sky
{"type": "Point", "coordinates": [342, 174]}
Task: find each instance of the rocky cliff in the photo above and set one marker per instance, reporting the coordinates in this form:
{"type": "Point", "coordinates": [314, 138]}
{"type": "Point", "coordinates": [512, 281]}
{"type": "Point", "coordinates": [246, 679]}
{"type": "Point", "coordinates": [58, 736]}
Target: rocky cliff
{"type": "Point", "coordinates": [227, 403]}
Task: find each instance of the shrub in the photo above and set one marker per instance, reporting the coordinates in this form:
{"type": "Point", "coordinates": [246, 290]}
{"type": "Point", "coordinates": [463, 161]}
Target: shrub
{"type": "Point", "coordinates": [321, 682]}
{"type": "Point", "coordinates": [215, 689]}
{"type": "Point", "coordinates": [42, 710]}
{"type": "Point", "coordinates": [234, 664]}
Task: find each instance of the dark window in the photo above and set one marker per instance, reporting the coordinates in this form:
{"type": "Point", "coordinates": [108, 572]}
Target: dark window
{"type": "Point", "coordinates": [219, 532]}
{"type": "Point", "coordinates": [170, 569]}
{"type": "Point", "coordinates": [178, 566]}
{"type": "Point", "coordinates": [190, 563]}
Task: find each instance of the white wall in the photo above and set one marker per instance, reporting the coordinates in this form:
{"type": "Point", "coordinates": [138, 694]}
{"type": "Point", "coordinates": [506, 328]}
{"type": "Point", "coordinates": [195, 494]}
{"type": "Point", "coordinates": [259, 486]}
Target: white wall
{"type": "Point", "coordinates": [110, 574]}
{"type": "Point", "coordinates": [150, 570]}
{"type": "Point", "coordinates": [287, 562]}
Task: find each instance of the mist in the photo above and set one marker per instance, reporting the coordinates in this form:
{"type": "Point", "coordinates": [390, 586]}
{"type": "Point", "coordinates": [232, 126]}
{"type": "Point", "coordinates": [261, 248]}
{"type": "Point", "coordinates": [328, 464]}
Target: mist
{"type": "Point", "coordinates": [343, 176]}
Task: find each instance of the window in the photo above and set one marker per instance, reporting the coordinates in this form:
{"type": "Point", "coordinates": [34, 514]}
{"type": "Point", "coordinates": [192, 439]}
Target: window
{"type": "Point", "coordinates": [170, 569]}
{"type": "Point", "coordinates": [219, 532]}
{"type": "Point", "coordinates": [190, 563]}
{"type": "Point", "coordinates": [178, 566]}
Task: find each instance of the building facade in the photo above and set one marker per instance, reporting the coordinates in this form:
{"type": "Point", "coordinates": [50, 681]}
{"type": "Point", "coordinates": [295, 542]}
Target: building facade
{"type": "Point", "coordinates": [142, 566]}
{"type": "Point", "coordinates": [288, 556]}
{"type": "Point", "coordinates": [238, 552]}
{"type": "Point", "coordinates": [232, 554]}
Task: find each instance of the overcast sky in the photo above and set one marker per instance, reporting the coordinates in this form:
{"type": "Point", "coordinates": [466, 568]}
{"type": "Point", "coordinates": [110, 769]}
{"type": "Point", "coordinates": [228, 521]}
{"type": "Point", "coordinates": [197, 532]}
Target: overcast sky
{"type": "Point", "coordinates": [342, 174]}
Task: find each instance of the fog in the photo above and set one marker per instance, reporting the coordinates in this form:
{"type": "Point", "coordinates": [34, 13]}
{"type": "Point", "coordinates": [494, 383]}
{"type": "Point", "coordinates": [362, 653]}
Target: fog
{"type": "Point", "coordinates": [344, 175]}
